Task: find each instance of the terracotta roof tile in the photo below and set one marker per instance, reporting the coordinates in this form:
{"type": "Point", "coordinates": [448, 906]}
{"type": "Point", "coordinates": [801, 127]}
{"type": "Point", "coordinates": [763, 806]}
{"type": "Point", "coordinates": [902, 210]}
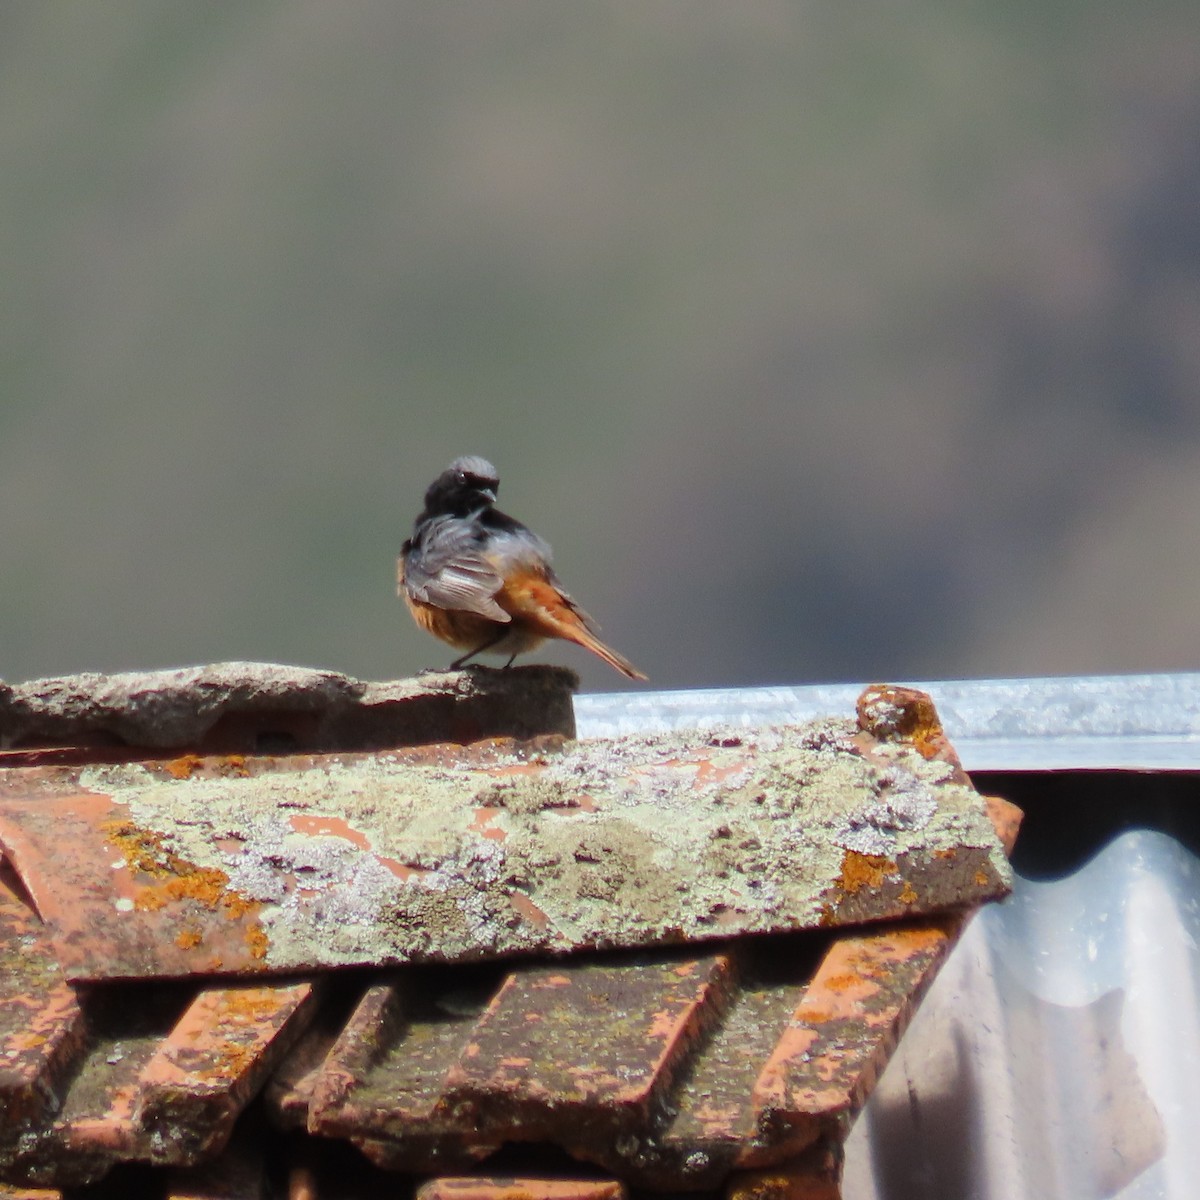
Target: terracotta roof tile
{"type": "Point", "coordinates": [41, 1022]}
{"type": "Point", "coordinates": [664, 1067]}
{"type": "Point", "coordinates": [486, 1187]}
{"type": "Point", "coordinates": [453, 853]}
{"type": "Point", "coordinates": [254, 708]}
{"type": "Point", "coordinates": [666, 1071]}
{"type": "Point", "coordinates": [160, 1076]}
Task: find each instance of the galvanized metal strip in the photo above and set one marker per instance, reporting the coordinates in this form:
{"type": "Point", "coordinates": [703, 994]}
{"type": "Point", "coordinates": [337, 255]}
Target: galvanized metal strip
{"type": "Point", "coordinates": [1099, 722]}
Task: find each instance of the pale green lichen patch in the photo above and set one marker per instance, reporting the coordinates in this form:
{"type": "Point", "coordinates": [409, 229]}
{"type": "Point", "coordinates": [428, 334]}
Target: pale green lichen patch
{"type": "Point", "coordinates": [622, 842]}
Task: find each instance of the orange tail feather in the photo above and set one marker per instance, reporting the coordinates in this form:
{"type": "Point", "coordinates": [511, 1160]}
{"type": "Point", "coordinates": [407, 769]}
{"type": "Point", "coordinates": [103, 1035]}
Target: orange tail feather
{"type": "Point", "coordinates": [585, 638]}
{"type": "Point", "coordinates": [538, 603]}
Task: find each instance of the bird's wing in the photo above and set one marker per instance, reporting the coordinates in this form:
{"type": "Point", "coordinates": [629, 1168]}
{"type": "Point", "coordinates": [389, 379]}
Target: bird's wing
{"type": "Point", "coordinates": [443, 566]}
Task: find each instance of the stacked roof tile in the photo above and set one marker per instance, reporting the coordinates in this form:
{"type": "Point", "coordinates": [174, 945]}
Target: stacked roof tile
{"type": "Point", "coordinates": [150, 1019]}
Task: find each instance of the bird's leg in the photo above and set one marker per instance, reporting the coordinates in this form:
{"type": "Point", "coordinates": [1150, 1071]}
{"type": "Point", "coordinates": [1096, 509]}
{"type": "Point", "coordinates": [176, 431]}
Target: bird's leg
{"type": "Point", "coordinates": [458, 662]}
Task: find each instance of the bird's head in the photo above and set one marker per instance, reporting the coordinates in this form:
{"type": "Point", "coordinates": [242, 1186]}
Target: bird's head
{"type": "Point", "coordinates": [465, 486]}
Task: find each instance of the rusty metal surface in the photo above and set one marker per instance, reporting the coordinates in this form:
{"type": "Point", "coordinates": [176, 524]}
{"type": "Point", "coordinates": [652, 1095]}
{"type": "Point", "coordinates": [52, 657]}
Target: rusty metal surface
{"type": "Point", "coordinates": [255, 707]}
{"type": "Point", "coordinates": [452, 853]}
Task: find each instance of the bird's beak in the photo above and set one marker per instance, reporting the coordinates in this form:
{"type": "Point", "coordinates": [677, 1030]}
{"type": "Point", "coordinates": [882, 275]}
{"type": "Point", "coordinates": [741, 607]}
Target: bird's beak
{"type": "Point", "coordinates": [488, 495]}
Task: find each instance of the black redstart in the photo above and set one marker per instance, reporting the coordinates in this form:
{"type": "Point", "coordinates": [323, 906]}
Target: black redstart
{"type": "Point", "coordinates": [481, 581]}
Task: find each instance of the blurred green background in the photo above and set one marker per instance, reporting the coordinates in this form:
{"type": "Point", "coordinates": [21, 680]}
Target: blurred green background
{"type": "Point", "coordinates": [822, 341]}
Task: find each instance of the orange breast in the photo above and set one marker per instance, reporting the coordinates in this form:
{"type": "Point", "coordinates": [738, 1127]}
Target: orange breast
{"type": "Point", "coordinates": [462, 630]}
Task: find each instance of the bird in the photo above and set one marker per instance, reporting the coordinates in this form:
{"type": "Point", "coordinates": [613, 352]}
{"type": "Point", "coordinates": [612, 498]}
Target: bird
{"type": "Point", "coordinates": [481, 581]}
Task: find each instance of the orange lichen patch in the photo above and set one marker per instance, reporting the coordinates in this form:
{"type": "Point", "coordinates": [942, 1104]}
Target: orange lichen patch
{"type": "Point", "coordinates": [187, 766]}
{"type": "Point", "coordinates": [848, 1021]}
{"type": "Point", "coordinates": [878, 956]}
{"type": "Point", "coordinates": [231, 1025]}
{"type": "Point", "coordinates": [257, 941]}
{"type": "Point", "coordinates": [20, 1042]}
{"type": "Point", "coordinates": [864, 870]}
{"type": "Point", "coordinates": [183, 767]}
{"type": "Point", "coordinates": [142, 850]}
{"type": "Point", "coordinates": [981, 877]}
{"type": "Point", "coordinates": [215, 1057]}
{"type": "Point", "coordinates": [900, 714]}
{"type": "Point", "coordinates": [908, 894]}
{"type": "Point", "coordinates": [842, 982]}
{"type": "Point", "coordinates": [838, 996]}
{"type": "Point", "coordinates": [173, 880]}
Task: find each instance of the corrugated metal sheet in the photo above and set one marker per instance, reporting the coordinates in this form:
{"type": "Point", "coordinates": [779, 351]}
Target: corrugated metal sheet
{"type": "Point", "coordinates": [1110, 722]}
{"type": "Point", "coordinates": [1058, 1053]}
